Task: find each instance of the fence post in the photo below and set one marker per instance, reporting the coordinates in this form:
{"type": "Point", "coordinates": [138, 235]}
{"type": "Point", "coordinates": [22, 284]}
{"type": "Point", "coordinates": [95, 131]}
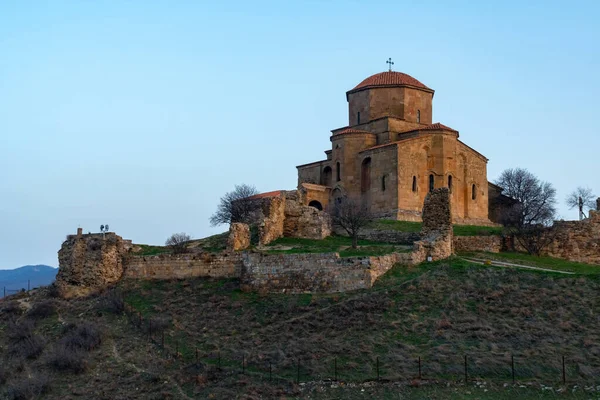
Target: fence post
{"type": "Point", "coordinates": [270, 372]}
{"type": "Point", "coordinates": [163, 340]}
{"type": "Point", "coordinates": [243, 364]}
{"type": "Point", "coordinates": [150, 330]}
{"type": "Point", "coordinates": [219, 360]}
{"type": "Point", "coordinates": [512, 365]}
{"type": "Point", "coordinates": [176, 348]}
{"type": "Point", "coordinates": [196, 356]}
{"type": "Point", "coordinates": [377, 368]}
{"type": "Point", "coordinates": [140, 314]}
{"type": "Point", "coordinates": [28, 285]}
{"type": "Point", "coordinates": [335, 369]}
{"type": "Point", "coordinates": [4, 292]}
{"type": "Point", "coordinates": [564, 374]}
{"type": "Point", "coordinates": [298, 372]}
{"type": "Point", "coordinates": [466, 376]}
{"type": "Point", "coordinates": [419, 367]}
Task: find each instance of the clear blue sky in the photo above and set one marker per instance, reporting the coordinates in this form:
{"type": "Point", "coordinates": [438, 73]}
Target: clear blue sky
{"type": "Point", "coordinates": [141, 114]}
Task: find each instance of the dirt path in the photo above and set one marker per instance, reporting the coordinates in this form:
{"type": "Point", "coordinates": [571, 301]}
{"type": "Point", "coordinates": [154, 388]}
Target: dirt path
{"type": "Point", "coordinates": [511, 265]}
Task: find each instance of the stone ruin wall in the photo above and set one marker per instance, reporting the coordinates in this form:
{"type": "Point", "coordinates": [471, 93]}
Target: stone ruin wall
{"type": "Point", "coordinates": [283, 215]}
{"type": "Point", "coordinates": [492, 243]}
{"type": "Point", "coordinates": [314, 273]}
{"type": "Point", "coordinates": [181, 266]}
{"type": "Point", "coordinates": [577, 240]}
{"type": "Point", "coordinates": [89, 261]}
{"type": "Point", "coordinates": [436, 231]}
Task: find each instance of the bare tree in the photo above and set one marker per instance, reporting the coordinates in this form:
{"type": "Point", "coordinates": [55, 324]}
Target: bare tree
{"type": "Point", "coordinates": [351, 216]}
{"type": "Point", "coordinates": [530, 219]}
{"type": "Point", "coordinates": [233, 207]}
{"type": "Point", "coordinates": [582, 199]}
{"type": "Point", "coordinates": [177, 242]}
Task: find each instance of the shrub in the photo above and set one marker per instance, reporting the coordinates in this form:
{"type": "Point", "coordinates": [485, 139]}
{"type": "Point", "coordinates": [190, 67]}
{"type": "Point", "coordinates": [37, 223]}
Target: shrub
{"type": "Point", "coordinates": [158, 324]}
{"type": "Point", "coordinates": [53, 290]}
{"type": "Point", "coordinates": [83, 336]}
{"type": "Point", "coordinates": [29, 347]}
{"type": "Point", "coordinates": [16, 331]}
{"type": "Point", "coordinates": [11, 309]}
{"type": "Point", "coordinates": [28, 389]}
{"type": "Point", "coordinates": [113, 301]}
{"type": "Point", "coordinates": [66, 359]}
{"type": "Point", "coordinates": [42, 309]}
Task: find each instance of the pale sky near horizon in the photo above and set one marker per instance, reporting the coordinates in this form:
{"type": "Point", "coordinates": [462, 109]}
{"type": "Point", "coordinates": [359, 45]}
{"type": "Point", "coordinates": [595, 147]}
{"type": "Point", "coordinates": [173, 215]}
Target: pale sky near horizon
{"type": "Point", "coordinates": [141, 114]}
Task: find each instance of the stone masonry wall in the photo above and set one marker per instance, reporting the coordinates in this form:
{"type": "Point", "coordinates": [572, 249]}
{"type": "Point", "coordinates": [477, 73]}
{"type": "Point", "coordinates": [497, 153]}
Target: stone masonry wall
{"type": "Point", "coordinates": [171, 266]}
{"type": "Point", "coordinates": [577, 240]}
{"type": "Point", "coordinates": [436, 231]}
{"type": "Point", "coordinates": [239, 236]}
{"type": "Point", "coordinates": [304, 221]}
{"type": "Point", "coordinates": [321, 273]}
{"type": "Point", "coordinates": [492, 243]}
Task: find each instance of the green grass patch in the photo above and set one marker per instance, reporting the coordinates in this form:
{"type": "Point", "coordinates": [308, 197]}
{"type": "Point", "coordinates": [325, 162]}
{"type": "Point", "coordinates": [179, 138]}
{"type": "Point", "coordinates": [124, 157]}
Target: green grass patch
{"type": "Point", "coordinates": [341, 244]}
{"type": "Point", "coordinates": [539, 261]}
{"type": "Point", "coordinates": [401, 226]}
{"type": "Point", "coordinates": [150, 250]}
{"type": "Point", "coordinates": [474, 230]}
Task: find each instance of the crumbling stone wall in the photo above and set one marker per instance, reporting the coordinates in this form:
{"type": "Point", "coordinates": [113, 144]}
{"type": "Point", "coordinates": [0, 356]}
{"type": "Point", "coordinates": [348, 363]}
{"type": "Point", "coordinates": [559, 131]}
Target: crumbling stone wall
{"type": "Point", "coordinates": [491, 243]}
{"type": "Point", "coordinates": [180, 266]}
{"type": "Point", "coordinates": [436, 231]}
{"type": "Point", "coordinates": [577, 240]}
{"type": "Point", "coordinates": [304, 221]}
{"type": "Point", "coordinates": [314, 273]}
{"type": "Point", "coordinates": [239, 236]}
{"type": "Point", "coordinates": [89, 262]}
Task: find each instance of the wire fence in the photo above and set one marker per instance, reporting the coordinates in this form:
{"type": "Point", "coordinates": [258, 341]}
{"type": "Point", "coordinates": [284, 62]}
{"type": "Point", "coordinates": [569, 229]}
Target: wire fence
{"type": "Point", "coordinates": [9, 292]}
{"type": "Point", "coordinates": [512, 368]}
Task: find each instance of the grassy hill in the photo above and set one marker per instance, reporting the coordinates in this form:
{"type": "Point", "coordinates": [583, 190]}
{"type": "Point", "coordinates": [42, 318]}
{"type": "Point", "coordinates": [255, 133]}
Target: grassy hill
{"type": "Point", "coordinates": [252, 346]}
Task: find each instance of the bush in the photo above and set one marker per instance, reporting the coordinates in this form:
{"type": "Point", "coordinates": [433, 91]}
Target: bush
{"type": "Point", "coordinates": [53, 290]}
{"type": "Point", "coordinates": [30, 388]}
{"type": "Point", "coordinates": [113, 301]}
{"type": "Point", "coordinates": [42, 309]}
{"type": "Point", "coordinates": [83, 336]}
{"type": "Point", "coordinates": [29, 347]}
{"type": "Point", "coordinates": [157, 324]}
{"type": "Point", "coordinates": [65, 359]}
{"type": "Point", "coordinates": [11, 308]}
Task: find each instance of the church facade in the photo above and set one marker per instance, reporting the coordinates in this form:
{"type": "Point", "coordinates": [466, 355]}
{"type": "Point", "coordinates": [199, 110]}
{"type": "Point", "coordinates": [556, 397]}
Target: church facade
{"type": "Point", "coordinates": [391, 154]}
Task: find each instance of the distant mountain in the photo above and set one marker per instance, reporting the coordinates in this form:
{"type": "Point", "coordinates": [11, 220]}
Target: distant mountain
{"type": "Point", "coordinates": [38, 275]}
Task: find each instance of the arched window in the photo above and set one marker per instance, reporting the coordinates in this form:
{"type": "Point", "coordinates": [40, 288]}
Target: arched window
{"type": "Point", "coordinates": [419, 116]}
{"type": "Point", "coordinates": [450, 183]}
{"type": "Point", "coordinates": [414, 185]}
{"type": "Point", "coordinates": [431, 183]}
{"type": "Point", "coordinates": [316, 205]}
{"type": "Point", "coordinates": [473, 192]}
{"type": "Point", "coordinates": [383, 183]}
{"type": "Point", "coordinates": [337, 172]}
{"type": "Point", "coordinates": [326, 181]}
{"type": "Point", "coordinates": [365, 175]}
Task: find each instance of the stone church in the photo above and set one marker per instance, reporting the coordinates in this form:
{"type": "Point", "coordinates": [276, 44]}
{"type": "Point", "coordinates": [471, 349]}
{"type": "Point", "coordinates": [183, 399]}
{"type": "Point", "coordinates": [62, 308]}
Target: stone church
{"type": "Point", "coordinates": [391, 154]}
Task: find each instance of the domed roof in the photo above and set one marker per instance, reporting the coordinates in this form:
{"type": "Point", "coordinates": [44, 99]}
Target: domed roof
{"type": "Point", "coordinates": [389, 79]}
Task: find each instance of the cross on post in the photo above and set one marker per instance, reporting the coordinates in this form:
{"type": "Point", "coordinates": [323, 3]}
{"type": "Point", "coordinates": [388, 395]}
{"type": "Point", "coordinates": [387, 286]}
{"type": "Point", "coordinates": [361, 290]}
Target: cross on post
{"type": "Point", "coordinates": [390, 62]}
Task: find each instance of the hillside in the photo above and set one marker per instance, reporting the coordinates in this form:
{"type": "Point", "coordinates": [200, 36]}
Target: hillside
{"type": "Point", "coordinates": [439, 312]}
{"type": "Point", "coordinates": [37, 275]}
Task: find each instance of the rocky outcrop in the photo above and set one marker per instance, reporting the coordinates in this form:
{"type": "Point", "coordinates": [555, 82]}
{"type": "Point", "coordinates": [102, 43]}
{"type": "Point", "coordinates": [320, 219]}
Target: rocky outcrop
{"type": "Point", "coordinates": [239, 236]}
{"type": "Point", "coordinates": [89, 262]}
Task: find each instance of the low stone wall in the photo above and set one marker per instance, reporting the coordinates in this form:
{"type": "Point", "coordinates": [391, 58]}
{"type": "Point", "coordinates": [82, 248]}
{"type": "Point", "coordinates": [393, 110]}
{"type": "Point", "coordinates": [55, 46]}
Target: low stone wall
{"type": "Point", "coordinates": [388, 236]}
{"type": "Point", "coordinates": [324, 273]}
{"type": "Point", "coordinates": [492, 244]}
{"type": "Point", "coordinates": [170, 266]}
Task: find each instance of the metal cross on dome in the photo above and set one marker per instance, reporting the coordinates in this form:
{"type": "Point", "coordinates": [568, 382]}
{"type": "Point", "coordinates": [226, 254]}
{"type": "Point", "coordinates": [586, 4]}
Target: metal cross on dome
{"type": "Point", "coordinates": [390, 62]}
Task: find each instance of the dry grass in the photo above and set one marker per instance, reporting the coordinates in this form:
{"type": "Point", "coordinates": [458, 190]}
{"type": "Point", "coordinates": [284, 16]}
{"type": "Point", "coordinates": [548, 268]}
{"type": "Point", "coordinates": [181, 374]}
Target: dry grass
{"type": "Point", "coordinates": [438, 312]}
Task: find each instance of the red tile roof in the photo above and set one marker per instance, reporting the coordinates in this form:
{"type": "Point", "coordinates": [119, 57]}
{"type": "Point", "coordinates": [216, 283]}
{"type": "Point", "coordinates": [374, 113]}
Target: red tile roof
{"type": "Point", "coordinates": [274, 193]}
{"type": "Point", "coordinates": [389, 78]}
{"type": "Point", "coordinates": [437, 126]}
